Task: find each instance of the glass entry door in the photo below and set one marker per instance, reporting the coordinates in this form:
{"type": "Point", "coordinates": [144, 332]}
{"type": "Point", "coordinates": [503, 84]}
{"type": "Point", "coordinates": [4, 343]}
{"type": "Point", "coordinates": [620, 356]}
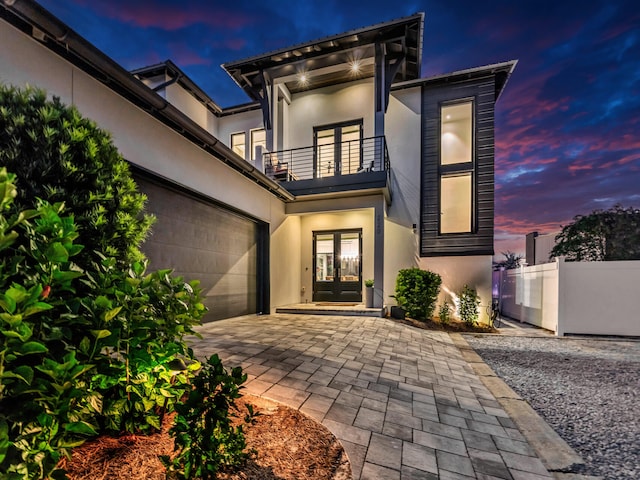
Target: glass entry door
{"type": "Point", "coordinates": [337, 259]}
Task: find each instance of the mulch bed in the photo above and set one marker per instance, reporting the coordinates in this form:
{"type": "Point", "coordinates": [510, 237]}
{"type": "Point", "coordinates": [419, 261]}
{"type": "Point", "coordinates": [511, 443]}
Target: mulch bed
{"type": "Point", "coordinates": [452, 326]}
{"type": "Point", "coordinates": [289, 446]}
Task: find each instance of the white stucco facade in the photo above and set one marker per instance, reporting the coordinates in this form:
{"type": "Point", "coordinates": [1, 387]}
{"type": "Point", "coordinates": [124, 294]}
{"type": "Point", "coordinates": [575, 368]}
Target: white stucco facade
{"type": "Point", "coordinates": [390, 224]}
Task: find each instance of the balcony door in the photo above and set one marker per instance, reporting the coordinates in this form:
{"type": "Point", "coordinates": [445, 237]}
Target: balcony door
{"type": "Point", "coordinates": [337, 257]}
{"type": "Point", "coordinates": [337, 149]}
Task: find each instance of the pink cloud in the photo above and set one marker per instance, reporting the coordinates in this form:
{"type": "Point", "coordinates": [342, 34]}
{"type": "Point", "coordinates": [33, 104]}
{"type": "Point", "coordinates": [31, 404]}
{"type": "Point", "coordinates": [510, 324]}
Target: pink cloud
{"type": "Point", "coordinates": [147, 13]}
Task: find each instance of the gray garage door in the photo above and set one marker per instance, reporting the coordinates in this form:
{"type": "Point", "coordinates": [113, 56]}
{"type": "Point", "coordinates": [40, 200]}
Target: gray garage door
{"type": "Point", "coordinates": [204, 241]}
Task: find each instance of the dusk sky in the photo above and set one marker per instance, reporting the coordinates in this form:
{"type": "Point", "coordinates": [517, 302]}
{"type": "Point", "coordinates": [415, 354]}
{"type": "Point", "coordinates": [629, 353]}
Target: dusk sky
{"type": "Point", "coordinates": [567, 125]}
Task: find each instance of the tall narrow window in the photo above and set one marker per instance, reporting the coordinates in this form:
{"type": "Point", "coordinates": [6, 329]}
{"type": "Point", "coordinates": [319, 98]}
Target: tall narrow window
{"type": "Point", "coordinates": [258, 138]}
{"type": "Point", "coordinates": [239, 144]}
{"type": "Point", "coordinates": [456, 168]}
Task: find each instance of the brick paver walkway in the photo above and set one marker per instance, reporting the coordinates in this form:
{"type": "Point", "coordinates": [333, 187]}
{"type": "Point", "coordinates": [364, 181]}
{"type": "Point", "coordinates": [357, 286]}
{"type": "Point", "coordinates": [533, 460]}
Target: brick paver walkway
{"type": "Point", "coordinates": [403, 401]}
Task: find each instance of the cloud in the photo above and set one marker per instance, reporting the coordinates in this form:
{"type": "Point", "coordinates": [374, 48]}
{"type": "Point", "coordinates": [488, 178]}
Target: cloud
{"type": "Point", "coordinates": [169, 15]}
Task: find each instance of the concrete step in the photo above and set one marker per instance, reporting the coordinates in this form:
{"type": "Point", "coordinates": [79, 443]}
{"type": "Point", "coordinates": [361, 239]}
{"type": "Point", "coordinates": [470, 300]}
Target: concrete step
{"type": "Point", "coordinates": [326, 308]}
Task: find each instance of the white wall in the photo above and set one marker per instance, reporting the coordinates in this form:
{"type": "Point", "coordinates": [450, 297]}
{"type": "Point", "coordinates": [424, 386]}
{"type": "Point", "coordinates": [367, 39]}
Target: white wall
{"type": "Point", "coordinates": [599, 298]}
{"type": "Point", "coordinates": [530, 294]}
{"type": "Point", "coordinates": [590, 298]}
{"type": "Point", "coordinates": [191, 107]}
{"type": "Point", "coordinates": [544, 245]}
{"type": "Point", "coordinates": [400, 251]}
{"type": "Point", "coordinates": [338, 103]}
{"type": "Point", "coordinates": [403, 133]}
{"type": "Point", "coordinates": [286, 251]}
{"type": "Point", "coordinates": [145, 141]}
{"type": "Point", "coordinates": [351, 219]}
{"type": "Point", "coordinates": [456, 272]}
{"type": "Point", "coordinates": [239, 122]}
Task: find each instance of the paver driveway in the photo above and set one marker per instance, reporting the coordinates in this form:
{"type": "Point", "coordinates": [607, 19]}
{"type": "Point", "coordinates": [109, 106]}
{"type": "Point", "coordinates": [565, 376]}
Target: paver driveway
{"type": "Point", "coordinates": [403, 401]}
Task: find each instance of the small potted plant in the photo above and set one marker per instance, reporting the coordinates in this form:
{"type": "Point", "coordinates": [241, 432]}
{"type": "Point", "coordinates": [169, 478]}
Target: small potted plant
{"type": "Point", "coordinates": [368, 293]}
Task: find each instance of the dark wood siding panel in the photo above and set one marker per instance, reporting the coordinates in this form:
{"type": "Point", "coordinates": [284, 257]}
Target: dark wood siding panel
{"type": "Point", "coordinates": [480, 241]}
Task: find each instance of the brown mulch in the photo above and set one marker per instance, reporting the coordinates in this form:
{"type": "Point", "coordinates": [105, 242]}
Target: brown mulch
{"type": "Point", "coordinates": [452, 326]}
{"type": "Point", "coordinates": [289, 446]}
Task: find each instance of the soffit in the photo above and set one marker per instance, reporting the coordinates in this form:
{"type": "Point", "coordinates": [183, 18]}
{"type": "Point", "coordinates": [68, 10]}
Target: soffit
{"type": "Point", "coordinates": [328, 61]}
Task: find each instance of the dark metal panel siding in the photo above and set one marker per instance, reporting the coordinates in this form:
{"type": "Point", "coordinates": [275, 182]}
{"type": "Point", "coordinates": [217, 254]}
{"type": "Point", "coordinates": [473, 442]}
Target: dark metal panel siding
{"type": "Point", "coordinates": [480, 241]}
{"type": "Point", "coordinates": [206, 242]}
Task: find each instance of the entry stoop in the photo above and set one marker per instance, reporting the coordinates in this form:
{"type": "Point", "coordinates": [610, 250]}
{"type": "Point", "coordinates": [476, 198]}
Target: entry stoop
{"type": "Point", "coordinates": [326, 308]}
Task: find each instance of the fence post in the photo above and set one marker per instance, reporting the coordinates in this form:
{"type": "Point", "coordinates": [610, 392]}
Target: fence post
{"type": "Point", "coordinates": [560, 328]}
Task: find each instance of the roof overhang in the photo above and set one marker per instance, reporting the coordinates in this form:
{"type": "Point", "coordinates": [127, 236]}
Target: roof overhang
{"type": "Point", "coordinates": [500, 71]}
{"type": "Point", "coordinates": [330, 60]}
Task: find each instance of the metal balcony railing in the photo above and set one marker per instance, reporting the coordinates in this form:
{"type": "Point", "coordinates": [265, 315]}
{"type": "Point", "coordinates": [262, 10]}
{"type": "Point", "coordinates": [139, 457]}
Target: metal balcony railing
{"type": "Point", "coordinates": [328, 160]}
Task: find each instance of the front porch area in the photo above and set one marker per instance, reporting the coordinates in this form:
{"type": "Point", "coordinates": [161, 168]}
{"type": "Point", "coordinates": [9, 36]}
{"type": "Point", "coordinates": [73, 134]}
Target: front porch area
{"type": "Point", "coordinates": [333, 308]}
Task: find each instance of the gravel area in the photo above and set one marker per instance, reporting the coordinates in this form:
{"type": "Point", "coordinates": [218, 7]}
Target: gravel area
{"type": "Point", "coordinates": [587, 390]}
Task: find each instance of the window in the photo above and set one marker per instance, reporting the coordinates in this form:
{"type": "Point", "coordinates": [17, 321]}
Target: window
{"type": "Point", "coordinates": [456, 168]}
{"type": "Point", "coordinates": [258, 138]}
{"type": "Point", "coordinates": [238, 143]}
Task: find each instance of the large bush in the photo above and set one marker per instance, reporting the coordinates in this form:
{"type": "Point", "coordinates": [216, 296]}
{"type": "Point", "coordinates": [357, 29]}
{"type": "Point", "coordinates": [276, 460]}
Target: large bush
{"type": "Point", "coordinates": [60, 156]}
{"type": "Point", "coordinates": [89, 341]}
{"type": "Point", "coordinates": [72, 365]}
{"type": "Point", "coordinates": [417, 291]}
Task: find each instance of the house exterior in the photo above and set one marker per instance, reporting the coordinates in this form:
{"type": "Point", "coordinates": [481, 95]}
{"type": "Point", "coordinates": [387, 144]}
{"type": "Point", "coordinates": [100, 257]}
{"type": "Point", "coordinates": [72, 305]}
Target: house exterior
{"type": "Point", "coordinates": [344, 165]}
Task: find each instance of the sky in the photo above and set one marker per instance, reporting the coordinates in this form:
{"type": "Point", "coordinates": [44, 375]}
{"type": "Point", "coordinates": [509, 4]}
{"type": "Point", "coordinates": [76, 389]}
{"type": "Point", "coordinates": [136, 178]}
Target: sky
{"type": "Point", "coordinates": [567, 124]}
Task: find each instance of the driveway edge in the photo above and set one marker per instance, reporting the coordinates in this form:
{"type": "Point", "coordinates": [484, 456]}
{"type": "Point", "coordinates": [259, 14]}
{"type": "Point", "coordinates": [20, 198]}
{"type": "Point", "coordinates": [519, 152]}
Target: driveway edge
{"type": "Point", "coordinates": [556, 454]}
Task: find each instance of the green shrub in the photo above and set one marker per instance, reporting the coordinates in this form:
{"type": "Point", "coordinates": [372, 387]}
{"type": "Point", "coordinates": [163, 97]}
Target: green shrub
{"type": "Point", "coordinates": [46, 405]}
{"type": "Point", "coordinates": [205, 438]}
{"type": "Point", "coordinates": [444, 313]}
{"type": "Point", "coordinates": [143, 319]}
{"type": "Point", "coordinates": [417, 291]}
{"type": "Point", "coordinates": [469, 303]}
{"type": "Point", "coordinates": [60, 156]}
{"type": "Point", "coordinates": [89, 341]}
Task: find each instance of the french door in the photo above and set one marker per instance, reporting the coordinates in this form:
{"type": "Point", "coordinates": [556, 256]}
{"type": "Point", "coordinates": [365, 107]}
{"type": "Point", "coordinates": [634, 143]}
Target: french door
{"type": "Point", "coordinates": [338, 149]}
{"type": "Point", "coordinates": [337, 260]}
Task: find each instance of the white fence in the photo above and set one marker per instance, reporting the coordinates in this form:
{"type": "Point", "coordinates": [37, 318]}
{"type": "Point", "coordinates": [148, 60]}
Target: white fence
{"type": "Point", "coordinates": [591, 298]}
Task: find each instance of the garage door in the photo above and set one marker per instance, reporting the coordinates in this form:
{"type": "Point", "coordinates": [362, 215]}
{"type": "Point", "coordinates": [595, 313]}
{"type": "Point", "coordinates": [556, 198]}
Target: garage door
{"type": "Point", "coordinates": [208, 242]}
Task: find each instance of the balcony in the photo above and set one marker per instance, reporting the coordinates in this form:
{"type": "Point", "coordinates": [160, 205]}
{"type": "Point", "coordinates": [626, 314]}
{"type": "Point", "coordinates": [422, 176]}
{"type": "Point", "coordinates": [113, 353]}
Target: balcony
{"type": "Point", "coordinates": [361, 164]}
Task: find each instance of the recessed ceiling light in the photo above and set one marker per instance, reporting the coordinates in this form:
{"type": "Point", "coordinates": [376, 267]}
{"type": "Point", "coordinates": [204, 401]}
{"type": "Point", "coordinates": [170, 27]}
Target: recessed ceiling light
{"type": "Point", "coordinates": [355, 66]}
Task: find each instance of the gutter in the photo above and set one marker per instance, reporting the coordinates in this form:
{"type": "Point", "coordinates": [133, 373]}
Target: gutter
{"type": "Point", "coordinates": [77, 50]}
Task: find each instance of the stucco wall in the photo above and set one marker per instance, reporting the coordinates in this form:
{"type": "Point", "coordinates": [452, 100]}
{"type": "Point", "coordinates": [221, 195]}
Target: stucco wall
{"type": "Point", "coordinates": [474, 271]}
{"type": "Point", "coordinates": [403, 130]}
{"type": "Point", "coordinates": [353, 219]}
{"type": "Point", "coordinates": [239, 122]}
{"type": "Point", "coordinates": [187, 104]}
{"type": "Point", "coordinates": [142, 139]}
{"type": "Point", "coordinates": [328, 105]}
{"type": "Point", "coordinates": [400, 251]}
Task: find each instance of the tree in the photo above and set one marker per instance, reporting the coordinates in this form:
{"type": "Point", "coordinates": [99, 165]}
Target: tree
{"type": "Point", "coordinates": [603, 235]}
{"type": "Point", "coordinates": [511, 260]}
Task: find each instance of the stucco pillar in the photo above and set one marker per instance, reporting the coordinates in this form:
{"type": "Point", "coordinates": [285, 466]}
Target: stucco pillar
{"type": "Point", "coordinates": [379, 90]}
{"type": "Point", "coordinates": [378, 253]}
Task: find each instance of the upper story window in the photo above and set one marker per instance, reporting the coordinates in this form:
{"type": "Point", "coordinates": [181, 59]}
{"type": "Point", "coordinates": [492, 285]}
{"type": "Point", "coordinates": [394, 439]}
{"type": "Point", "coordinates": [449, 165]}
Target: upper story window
{"type": "Point", "coordinates": [239, 144]}
{"type": "Point", "coordinates": [456, 167]}
{"type": "Point", "coordinates": [258, 138]}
